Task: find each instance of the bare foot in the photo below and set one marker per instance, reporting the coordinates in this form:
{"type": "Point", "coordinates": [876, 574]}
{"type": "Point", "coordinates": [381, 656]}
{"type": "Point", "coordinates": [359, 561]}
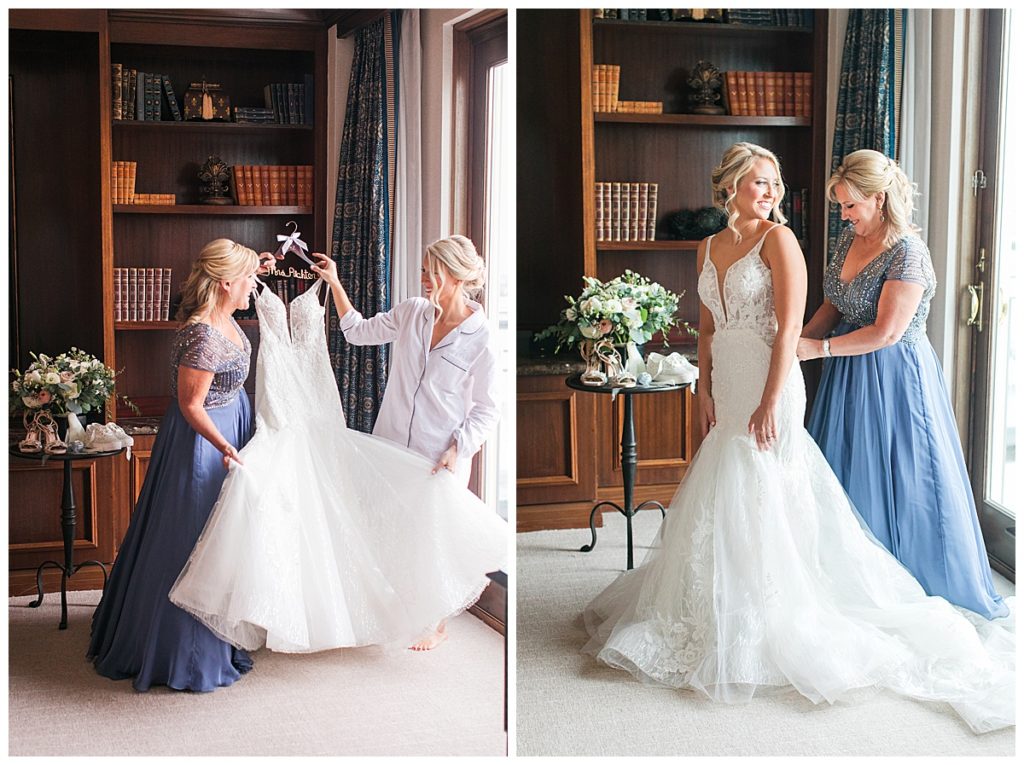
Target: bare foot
{"type": "Point", "coordinates": [431, 641]}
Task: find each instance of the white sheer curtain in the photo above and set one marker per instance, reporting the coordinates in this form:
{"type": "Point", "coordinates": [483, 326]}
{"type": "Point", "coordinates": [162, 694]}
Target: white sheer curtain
{"type": "Point", "coordinates": [934, 134]}
{"type": "Point", "coordinates": [407, 247]}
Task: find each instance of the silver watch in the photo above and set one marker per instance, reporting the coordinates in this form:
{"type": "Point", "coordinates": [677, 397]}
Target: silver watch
{"type": "Point", "coordinates": [825, 350]}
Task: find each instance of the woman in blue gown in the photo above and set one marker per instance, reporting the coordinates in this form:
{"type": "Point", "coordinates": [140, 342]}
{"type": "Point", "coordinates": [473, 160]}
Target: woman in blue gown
{"type": "Point", "coordinates": [136, 631]}
{"type": "Point", "coordinates": [882, 416]}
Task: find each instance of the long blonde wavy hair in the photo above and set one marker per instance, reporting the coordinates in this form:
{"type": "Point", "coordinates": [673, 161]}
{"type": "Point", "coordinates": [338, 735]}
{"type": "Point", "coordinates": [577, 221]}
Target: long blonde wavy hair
{"type": "Point", "coordinates": [219, 260]}
{"type": "Point", "coordinates": [737, 161]}
{"type": "Point", "coordinates": [864, 173]}
{"type": "Point", "coordinates": [460, 259]}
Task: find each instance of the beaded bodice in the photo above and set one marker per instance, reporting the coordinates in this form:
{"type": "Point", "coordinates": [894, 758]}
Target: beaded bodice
{"type": "Point", "coordinates": [746, 299]}
{"type": "Point", "coordinates": [908, 260]}
{"type": "Point", "coordinates": [200, 346]}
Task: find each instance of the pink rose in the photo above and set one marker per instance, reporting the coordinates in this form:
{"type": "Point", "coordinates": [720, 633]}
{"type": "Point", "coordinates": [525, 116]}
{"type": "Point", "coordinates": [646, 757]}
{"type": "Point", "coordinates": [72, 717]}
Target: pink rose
{"type": "Point", "coordinates": [605, 326]}
{"type": "Point", "coordinates": [44, 397]}
{"type": "Point", "coordinates": [66, 377]}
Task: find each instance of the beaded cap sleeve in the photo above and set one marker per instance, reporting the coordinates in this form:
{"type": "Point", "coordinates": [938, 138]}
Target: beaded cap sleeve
{"type": "Point", "coordinates": [907, 260]}
{"type": "Point", "coordinates": [200, 346]}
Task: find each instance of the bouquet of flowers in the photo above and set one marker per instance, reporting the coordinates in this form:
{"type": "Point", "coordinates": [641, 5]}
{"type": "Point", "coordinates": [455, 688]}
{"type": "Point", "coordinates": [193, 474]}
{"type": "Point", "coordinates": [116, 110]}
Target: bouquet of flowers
{"type": "Point", "coordinates": [629, 308]}
{"type": "Point", "coordinates": [74, 381]}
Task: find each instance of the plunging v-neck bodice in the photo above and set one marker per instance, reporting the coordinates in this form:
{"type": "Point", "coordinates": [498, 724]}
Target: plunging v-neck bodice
{"type": "Point", "coordinates": [745, 299]}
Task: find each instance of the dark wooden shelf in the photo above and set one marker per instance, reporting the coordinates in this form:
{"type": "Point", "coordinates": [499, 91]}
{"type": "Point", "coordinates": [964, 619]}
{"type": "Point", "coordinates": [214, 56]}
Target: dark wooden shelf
{"type": "Point", "coordinates": [213, 209]}
{"type": "Point", "coordinates": [703, 120]}
{"type": "Point", "coordinates": [167, 325]}
{"type": "Point", "coordinates": [196, 126]}
{"type": "Point", "coordinates": [662, 245]}
{"type": "Point", "coordinates": [701, 27]}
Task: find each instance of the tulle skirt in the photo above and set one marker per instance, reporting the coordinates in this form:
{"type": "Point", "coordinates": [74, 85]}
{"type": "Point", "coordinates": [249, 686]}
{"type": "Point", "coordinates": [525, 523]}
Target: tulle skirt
{"type": "Point", "coordinates": [884, 422]}
{"type": "Point", "coordinates": [136, 631]}
{"type": "Point", "coordinates": [328, 538]}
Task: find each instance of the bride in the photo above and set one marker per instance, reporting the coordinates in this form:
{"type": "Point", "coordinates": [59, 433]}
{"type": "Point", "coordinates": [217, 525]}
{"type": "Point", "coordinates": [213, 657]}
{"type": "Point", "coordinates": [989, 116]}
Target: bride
{"type": "Point", "coordinates": [325, 537]}
{"type": "Point", "coordinates": [764, 578]}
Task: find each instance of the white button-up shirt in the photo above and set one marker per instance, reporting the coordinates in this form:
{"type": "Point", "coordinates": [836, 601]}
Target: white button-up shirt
{"type": "Point", "coordinates": [434, 397]}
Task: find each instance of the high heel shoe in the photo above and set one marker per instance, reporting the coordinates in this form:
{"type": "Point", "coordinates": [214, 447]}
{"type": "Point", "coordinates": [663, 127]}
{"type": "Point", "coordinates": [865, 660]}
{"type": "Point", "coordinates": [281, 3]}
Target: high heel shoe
{"type": "Point", "coordinates": [51, 441]}
{"type": "Point", "coordinates": [617, 374]}
{"type": "Point", "coordinates": [31, 443]}
{"type": "Point", "coordinates": [593, 374]}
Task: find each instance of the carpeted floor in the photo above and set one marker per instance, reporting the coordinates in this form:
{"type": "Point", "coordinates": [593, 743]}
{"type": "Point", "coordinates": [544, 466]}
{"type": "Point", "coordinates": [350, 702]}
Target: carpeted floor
{"type": "Point", "coordinates": [359, 701]}
{"type": "Point", "coordinates": [568, 704]}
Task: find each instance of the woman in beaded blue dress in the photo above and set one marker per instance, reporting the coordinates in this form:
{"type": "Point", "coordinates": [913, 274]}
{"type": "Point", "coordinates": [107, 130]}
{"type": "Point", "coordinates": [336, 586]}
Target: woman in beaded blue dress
{"type": "Point", "coordinates": [882, 415]}
{"type": "Point", "coordinates": [136, 631]}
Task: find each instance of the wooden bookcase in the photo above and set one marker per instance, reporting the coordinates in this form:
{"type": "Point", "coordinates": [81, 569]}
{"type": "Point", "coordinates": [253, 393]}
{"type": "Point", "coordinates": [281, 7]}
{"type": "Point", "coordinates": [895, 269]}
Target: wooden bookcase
{"type": "Point", "coordinates": [168, 156]}
{"type": "Point", "coordinates": [67, 236]}
{"type": "Point", "coordinates": [565, 147]}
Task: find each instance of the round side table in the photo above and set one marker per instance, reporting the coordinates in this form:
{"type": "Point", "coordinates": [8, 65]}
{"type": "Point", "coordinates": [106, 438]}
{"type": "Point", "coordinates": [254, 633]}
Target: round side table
{"type": "Point", "coordinates": [67, 523]}
{"type": "Point", "coordinates": [629, 460]}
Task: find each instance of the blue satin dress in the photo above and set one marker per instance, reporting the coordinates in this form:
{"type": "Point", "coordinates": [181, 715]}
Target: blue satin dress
{"type": "Point", "coordinates": [136, 631]}
{"type": "Point", "coordinates": [885, 424]}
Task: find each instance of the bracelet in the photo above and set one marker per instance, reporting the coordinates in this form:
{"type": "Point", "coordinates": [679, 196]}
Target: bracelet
{"type": "Point", "coordinates": [825, 350]}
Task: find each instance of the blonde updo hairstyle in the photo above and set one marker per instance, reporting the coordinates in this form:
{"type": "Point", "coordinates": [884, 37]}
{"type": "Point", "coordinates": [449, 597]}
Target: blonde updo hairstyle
{"type": "Point", "coordinates": [220, 260]}
{"type": "Point", "coordinates": [866, 172]}
{"type": "Point", "coordinates": [454, 257]}
{"type": "Point", "coordinates": [736, 163]}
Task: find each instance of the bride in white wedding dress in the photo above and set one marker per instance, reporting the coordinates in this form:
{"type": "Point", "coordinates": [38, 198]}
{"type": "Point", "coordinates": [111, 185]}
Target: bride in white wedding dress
{"type": "Point", "coordinates": [326, 537]}
{"type": "Point", "coordinates": [763, 578]}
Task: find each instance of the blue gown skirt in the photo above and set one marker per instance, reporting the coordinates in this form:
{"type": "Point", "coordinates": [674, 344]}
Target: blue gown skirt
{"type": "Point", "coordinates": [136, 631]}
{"type": "Point", "coordinates": [885, 424]}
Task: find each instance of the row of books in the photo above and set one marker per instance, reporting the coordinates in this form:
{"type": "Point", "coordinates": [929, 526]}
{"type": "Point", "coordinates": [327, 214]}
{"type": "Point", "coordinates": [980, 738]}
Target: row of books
{"type": "Point", "coordinates": [122, 181]}
{"type": "Point", "coordinates": [138, 95]}
{"type": "Point", "coordinates": [794, 207]}
{"type": "Point", "coordinates": [604, 84]}
{"type": "Point", "coordinates": [291, 102]}
{"type": "Point", "coordinates": [754, 17]}
{"type": "Point", "coordinates": [640, 107]}
{"type": "Point", "coordinates": [763, 17]}
{"type": "Point", "coordinates": [273, 184]}
{"type": "Point", "coordinates": [768, 94]}
{"type": "Point", "coordinates": [625, 211]}
{"type": "Point", "coordinates": [142, 294]}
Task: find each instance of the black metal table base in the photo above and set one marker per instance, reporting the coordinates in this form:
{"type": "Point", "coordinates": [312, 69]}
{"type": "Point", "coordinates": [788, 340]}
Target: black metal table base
{"type": "Point", "coordinates": [65, 574]}
{"type": "Point", "coordinates": [629, 526]}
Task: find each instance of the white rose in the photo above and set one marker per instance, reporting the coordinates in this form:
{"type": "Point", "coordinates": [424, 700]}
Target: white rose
{"type": "Point", "coordinates": [590, 331]}
{"type": "Point", "coordinates": [71, 390]}
{"type": "Point", "coordinates": [628, 302]}
{"type": "Point", "coordinates": [613, 306]}
{"type": "Point", "coordinates": [570, 314]}
{"type": "Point", "coordinates": [590, 305]}
{"type": "Point", "coordinates": [34, 376]}
{"type": "Point", "coordinates": [632, 319]}
{"type": "Point", "coordinates": [52, 378]}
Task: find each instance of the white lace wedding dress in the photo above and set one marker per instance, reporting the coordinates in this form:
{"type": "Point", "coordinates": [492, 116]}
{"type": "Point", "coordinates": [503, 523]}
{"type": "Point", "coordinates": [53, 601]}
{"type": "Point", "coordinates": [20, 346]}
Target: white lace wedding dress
{"type": "Point", "coordinates": [327, 537]}
{"type": "Point", "coordinates": [763, 577]}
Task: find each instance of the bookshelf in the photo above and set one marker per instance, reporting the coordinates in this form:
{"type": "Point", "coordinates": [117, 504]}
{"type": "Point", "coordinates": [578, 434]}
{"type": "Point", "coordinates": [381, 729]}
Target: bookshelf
{"type": "Point", "coordinates": [168, 155]}
{"type": "Point", "coordinates": [565, 147]}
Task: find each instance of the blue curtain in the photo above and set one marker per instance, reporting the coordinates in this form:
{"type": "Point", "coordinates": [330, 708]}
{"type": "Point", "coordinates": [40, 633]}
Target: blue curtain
{"type": "Point", "coordinates": [361, 240]}
{"type": "Point", "coordinates": [866, 115]}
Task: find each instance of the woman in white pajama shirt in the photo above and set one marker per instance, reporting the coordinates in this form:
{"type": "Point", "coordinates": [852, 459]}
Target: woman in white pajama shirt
{"type": "Point", "coordinates": [440, 395]}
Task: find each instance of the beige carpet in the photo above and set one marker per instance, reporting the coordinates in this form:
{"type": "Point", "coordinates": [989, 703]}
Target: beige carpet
{"type": "Point", "coordinates": [568, 704]}
{"type": "Point", "coordinates": [360, 701]}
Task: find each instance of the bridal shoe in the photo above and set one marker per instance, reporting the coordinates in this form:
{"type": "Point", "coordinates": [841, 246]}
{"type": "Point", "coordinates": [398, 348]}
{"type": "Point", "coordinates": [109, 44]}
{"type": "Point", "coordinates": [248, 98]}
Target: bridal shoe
{"type": "Point", "coordinates": [108, 437]}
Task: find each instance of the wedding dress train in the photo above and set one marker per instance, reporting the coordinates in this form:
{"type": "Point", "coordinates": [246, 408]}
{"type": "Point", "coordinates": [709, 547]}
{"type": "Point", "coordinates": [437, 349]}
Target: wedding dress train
{"type": "Point", "coordinates": [763, 577]}
{"type": "Point", "coordinates": [327, 537]}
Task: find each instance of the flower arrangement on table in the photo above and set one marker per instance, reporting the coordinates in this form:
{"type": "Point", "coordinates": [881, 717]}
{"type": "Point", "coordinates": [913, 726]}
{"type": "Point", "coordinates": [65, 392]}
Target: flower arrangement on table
{"type": "Point", "coordinates": [627, 311]}
{"type": "Point", "coordinates": [73, 383]}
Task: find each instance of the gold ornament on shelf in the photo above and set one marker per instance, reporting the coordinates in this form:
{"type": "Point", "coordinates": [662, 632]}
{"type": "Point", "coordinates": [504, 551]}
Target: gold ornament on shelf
{"type": "Point", "coordinates": [214, 175]}
{"type": "Point", "coordinates": [706, 80]}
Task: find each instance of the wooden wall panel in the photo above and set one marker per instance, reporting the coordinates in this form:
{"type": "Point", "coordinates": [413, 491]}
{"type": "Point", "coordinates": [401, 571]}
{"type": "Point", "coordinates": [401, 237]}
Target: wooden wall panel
{"type": "Point", "coordinates": [555, 443]}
